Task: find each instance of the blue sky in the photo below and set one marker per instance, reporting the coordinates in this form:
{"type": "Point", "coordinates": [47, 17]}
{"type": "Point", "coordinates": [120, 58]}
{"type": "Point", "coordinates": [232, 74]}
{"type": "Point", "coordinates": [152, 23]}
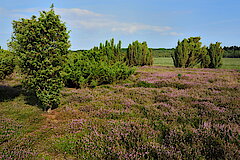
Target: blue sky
{"type": "Point", "coordinates": [159, 22]}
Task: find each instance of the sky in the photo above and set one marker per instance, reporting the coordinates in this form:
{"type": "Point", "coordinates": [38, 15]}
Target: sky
{"type": "Point", "coordinates": [161, 23]}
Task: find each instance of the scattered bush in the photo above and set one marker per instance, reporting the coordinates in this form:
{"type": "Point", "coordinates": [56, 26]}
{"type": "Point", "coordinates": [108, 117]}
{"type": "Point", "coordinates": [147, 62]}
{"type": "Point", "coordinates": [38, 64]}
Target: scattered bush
{"type": "Point", "coordinates": [189, 53]}
{"type": "Point", "coordinates": [215, 54]}
{"type": "Point", "coordinates": [206, 60]}
{"type": "Point", "coordinates": [41, 44]}
{"type": "Point", "coordinates": [138, 54]}
{"type": "Point", "coordinates": [6, 63]}
{"type": "Point", "coordinates": [92, 68]}
{"type": "Point", "coordinates": [113, 52]}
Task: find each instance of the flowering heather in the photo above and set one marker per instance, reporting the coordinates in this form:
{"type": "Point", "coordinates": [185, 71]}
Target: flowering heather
{"type": "Point", "coordinates": [158, 113]}
{"type": "Point", "coordinates": [8, 128]}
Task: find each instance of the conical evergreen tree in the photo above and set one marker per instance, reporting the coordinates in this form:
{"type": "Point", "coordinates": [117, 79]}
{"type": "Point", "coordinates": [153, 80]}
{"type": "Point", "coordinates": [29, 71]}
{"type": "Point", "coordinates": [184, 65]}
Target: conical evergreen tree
{"type": "Point", "coordinates": [41, 44]}
{"type": "Point", "coordinates": [138, 54]}
{"type": "Point", "coordinates": [215, 52]}
{"type": "Point", "coordinates": [189, 52]}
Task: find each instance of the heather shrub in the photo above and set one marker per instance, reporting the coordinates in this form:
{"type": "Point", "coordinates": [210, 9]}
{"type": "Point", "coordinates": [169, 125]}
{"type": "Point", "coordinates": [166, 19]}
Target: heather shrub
{"type": "Point", "coordinates": [161, 84]}
{"type": "Point", "coordinates": [144, 84]}
{"type": "Point", "coordinates": [6, 63]}
{"type": "Point", "coordinates": [41, 44]}
{"type": "Point", "coordinates": [92, 68]}
{"type": "Point", "coordinates": [138, 54]}
{"type": "Point", "coordinates": [21, 148]}
{"type": "Point", "coordinates": [176, 114]}
{"type": "Point", "coordinates": [188, 53]}
{"type": "Point", "coordinates": [120, 140]}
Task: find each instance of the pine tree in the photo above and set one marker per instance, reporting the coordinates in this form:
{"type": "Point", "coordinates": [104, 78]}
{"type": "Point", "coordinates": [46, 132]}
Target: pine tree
{"type": "Point", "coordinates": [205, 61]}
{"type": "Point", "coordinates": [189, 52]}
{"type": "Point", "coordinates": [111, 50]}
{"type": "Point", "coordinates": [138, 54]}
{"type": "Point", "coordinates": [215, 52]}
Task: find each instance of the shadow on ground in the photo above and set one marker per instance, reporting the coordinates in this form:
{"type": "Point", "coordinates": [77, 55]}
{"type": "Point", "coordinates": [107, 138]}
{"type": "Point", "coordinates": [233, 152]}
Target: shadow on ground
{"type": "Point", "coordinates": [8, 93]}
{"type": "Point", "coordinates": [31, 99]}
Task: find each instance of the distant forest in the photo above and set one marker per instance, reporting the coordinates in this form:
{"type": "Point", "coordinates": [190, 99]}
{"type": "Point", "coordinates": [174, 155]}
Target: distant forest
{"type": "Point", "coordinates": [229, 52]}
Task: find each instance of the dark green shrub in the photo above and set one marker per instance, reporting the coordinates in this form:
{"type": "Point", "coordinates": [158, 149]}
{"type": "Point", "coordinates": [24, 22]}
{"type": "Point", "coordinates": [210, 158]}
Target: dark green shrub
{"type": "Point", "coordinates": [92, 68]}
{"type": "Point", "coordinates": [215, 53]}
{"type": "Point", "coordinates": [189, 53]}
{"type": "Point", "coordinates": [41, 44]}
{"type": "Point", "coordinates": [145, 84]}
{"type": "Point", "coordinates": [205, 61]}
{"type": "Point", "coordinates": [112, 51]}
{"type": "Point", "coordinates": [138, 54]}
{"type": "Point", "coordinates": [6, 63]}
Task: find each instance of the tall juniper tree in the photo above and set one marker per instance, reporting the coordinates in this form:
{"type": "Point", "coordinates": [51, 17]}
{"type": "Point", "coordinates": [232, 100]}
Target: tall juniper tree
{"type": "Point", "coordinates": [111, 50]}
{"type": "Point", "coordinates": [41, 44]}
{"type": "Point", "coordinates": [138, 54]}
{"type": "Point", "coordinates": [189, 52]}
{"type": "Point", "coordinates": [215, 52]}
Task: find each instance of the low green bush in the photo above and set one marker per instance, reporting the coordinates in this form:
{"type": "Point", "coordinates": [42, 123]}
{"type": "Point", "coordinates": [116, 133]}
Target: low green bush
{"type": "Point", "coordinates": [112, 51]}
{"type": "Point", "coordinates": [6, 63]}
{"type": "Point", "coordinates": [92, 68]}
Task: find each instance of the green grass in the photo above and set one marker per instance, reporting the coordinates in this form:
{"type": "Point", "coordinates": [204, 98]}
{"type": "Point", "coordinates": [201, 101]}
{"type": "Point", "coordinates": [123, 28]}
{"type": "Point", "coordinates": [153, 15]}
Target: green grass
{"type": "Point", "coordinates": [163, 61]}
{"type": "Point", "coordinates": [228, 63]}
{"type": "Point", "coordinates": [231, 63]}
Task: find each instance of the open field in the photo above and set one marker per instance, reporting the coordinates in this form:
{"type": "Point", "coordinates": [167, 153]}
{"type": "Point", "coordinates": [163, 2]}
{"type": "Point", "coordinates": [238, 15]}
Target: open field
{"type": "Point", "coordinates": [228, 63]}
{"type": "Point", "coordinates": [231, 63]}
{"type": "Point", "coordinates": [163, 61]}
{"type": "Point", "coordinates": [159, 113]}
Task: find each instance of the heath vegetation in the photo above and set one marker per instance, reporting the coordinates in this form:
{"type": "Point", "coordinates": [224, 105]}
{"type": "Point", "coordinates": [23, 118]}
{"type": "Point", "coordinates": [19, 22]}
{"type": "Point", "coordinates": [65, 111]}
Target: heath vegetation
{"type": "Point", "coordinates": [110, 103]}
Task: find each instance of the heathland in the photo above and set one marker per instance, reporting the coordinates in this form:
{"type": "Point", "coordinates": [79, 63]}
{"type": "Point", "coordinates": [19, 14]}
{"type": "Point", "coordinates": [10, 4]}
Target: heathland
{"type": "Point", "coordinates": [158, 113]}
{"type": "Point", "coordinates": [122, 105]}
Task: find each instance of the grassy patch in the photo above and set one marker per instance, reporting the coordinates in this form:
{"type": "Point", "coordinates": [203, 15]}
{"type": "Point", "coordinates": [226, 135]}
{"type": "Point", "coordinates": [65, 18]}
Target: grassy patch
{"type": "Point", "coordinates": [231, 63]}
{"type": "Point", "coordinates": [228, 63]}
{"type": "Point", "coordinates": [163, 61]}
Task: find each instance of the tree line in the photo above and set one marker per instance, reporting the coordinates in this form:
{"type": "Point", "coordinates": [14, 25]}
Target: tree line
{"type": "Point", "coordinates": [232, 52]}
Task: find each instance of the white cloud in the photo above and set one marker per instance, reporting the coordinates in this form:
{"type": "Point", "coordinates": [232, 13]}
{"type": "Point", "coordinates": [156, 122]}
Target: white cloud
{"type": "Point", "coordinates": [76, 12]}
{"type": "Point", "coordinates": [18, 13]}
{"type": "Point", "coordinates": [175, 34]}
{"type": "Point", "coordinates": [86, 19]}
{"type": "Point", "coordinates": [134, 27]}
